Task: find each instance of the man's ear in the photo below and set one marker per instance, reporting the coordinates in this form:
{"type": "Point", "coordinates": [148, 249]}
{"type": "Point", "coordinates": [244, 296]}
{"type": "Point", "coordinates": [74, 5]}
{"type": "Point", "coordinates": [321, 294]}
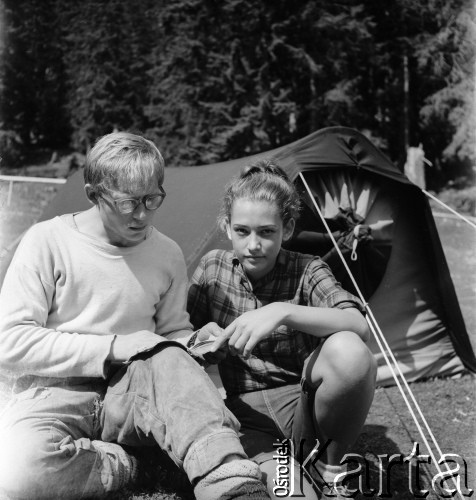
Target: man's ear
{"type": "Point", "coordinates": [288, 229]}
{"type": "Point", "coordinates": [91, 194]}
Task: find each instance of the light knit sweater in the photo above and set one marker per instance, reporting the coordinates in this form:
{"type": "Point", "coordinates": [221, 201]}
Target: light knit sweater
{"type": "Point", "coordinates": [66, 295]}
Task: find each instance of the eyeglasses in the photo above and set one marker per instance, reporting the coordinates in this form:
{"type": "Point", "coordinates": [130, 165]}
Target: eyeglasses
{"type": "Point", "coordinates": [151, 202]}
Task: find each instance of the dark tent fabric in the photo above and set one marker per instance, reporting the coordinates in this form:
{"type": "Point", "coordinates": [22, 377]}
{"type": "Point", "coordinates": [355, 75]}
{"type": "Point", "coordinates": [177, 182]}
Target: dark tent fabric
{"type": "Point", "coordinates": [381, 220]}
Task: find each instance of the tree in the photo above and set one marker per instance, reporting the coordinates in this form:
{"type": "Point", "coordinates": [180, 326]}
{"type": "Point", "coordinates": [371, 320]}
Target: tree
{"type": "Point", "coordinates": [212, 80]}
{"type": "Point", "coordinates": [448, 119]}
{"type": "Point", "coordinates": [107, 67]}
{"type": "Point", "coordinates": [246, 76]}
{"type": "Point", "coordinates": [32, 77]}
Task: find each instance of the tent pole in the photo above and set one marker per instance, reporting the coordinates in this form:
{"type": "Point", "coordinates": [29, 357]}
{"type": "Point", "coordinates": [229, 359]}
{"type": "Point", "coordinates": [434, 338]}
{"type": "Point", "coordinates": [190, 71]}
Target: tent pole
{"type": "Point", "coordinates": [374, 327]}
{"type": "Point", "coordinates": [462, 217]}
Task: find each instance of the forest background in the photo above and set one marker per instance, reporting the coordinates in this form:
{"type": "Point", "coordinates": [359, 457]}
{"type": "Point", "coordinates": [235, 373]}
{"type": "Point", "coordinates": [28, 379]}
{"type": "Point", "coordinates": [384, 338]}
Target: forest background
{"type": "Point", "coordinates": [212, 80]}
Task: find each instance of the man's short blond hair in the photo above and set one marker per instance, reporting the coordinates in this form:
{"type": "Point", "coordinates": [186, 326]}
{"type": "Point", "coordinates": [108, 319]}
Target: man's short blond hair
{"type": "Point", "coordinates": [124, 162]}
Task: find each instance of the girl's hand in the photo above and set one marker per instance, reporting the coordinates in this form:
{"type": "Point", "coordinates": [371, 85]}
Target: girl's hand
{"type": "Point", "coordinates": [209, 332]}
{"type": "Point", "coordinates": [212, 331]}
{"type": "Point", "coordinates": [250, 328]}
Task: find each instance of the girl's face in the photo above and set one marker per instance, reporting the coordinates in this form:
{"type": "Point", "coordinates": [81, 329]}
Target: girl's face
{"type": "Point", "coordinates": [257, 231]}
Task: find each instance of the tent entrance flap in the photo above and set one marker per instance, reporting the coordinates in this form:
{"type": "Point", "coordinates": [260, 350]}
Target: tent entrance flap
{"type": "Point", "coordinates": [382, 240]}
{"type": "Point", "coordinates": [359, 213]}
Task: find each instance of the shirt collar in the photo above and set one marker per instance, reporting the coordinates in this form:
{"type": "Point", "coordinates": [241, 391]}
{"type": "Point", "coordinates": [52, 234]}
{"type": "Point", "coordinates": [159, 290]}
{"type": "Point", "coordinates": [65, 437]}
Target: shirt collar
{"type": "Point", "coordinates": [280, 261]}
{"type": "Point", "coordinates": [241, 275]}
{"type": "Point", "coordinates": [282, 258]}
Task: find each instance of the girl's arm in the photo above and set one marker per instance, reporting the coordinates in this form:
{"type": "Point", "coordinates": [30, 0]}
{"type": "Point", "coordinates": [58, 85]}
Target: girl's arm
{"type": "Point", "coordinates": [323, 321]}
{"type": "Point", "coordinates": [253, 326]}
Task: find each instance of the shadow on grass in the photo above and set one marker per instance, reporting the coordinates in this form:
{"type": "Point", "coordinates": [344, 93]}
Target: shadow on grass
{"type": "Point", "coordinates": [390, 473]}
{"type": "Point", "coordinates": [386, 477]}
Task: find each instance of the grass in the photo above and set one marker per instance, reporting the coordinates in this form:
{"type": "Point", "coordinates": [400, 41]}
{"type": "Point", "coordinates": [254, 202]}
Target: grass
{"type": "Point", "coordinates": [448, 404]}
{"type": "Point", "coordinates": [449, 407]}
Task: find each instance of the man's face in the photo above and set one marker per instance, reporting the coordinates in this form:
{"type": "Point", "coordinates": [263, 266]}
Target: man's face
{"type": "Point", "coordinates": [128, 229]}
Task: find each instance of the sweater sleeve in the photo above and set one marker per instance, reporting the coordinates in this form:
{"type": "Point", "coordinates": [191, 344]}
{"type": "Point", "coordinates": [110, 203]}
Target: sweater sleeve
{"type": "Point", "coordinates": [197, 303]}
{"type": "Point", "coordinates": [172, 319]}
{"type": "Point", "coordinates": [27, 345]}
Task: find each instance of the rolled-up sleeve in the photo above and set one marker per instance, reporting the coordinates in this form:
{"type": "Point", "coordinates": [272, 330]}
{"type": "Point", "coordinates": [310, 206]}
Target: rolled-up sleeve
{"type": "Point", "coordinates": [323, 290]}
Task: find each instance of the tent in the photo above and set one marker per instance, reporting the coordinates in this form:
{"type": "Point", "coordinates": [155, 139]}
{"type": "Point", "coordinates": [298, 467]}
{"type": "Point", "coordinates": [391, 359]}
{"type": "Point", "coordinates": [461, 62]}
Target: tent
{"type": "Point", "coordinates": [381, 220]}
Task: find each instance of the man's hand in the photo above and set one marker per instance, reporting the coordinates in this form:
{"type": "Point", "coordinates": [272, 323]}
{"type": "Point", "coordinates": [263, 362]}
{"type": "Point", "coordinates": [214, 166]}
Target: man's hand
{"type": "Point", "coordinates": [125, 346]}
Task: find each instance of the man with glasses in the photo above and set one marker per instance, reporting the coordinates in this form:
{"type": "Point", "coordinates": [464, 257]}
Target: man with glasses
{"type": "Point", "coordinates": [94, 326]}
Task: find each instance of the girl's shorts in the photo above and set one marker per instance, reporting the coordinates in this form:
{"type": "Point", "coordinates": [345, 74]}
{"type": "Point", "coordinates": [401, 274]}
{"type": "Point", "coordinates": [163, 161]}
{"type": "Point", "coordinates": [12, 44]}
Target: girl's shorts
{"type": "Point", "coordinates": [269, 417]}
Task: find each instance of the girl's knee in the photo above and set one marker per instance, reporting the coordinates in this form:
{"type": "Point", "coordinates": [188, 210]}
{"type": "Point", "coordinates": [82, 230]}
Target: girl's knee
{"type": "Point", "coordinates": [346, 350]}
{"type": "Point", "coordinates": [343, 355]}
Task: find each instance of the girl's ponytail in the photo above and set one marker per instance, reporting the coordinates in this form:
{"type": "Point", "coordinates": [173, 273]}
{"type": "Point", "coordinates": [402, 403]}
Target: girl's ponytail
{"type": "Point", "coordinates": [262, 181]}
{"type": "Point", "coordinates": [266, 167]}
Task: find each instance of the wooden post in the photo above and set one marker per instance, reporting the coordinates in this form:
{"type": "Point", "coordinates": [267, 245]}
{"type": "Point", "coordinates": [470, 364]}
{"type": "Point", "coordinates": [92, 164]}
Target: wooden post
{"type": "Point", "coordinates": [10, 191]}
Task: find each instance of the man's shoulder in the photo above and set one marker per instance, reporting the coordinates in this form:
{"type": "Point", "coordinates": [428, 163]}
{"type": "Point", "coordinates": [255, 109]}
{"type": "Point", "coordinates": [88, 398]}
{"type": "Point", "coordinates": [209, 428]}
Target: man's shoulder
{"type": "Point", "coordinates": [43, 228]}
{"type": "Point", "coordinates": [165, 244]}
{"type": "Point", "coordinates": [162, 238]}
{"type": "Point", "coordinates": [39, 242]}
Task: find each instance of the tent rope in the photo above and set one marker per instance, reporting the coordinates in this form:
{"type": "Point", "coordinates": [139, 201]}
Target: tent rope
{"type": "Point", "coordinates": [462, 217]}
{"type": "Point", "coordinates": [379, 337]}
{"type": "Point", "coordinates": [355, 242]}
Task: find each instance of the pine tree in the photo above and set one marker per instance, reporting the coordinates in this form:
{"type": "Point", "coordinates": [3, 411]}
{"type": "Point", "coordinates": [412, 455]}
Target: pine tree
{"type": "Point", "coordinates": [32, 90]}
{"type": "Point", "coordinates": [106, 59]}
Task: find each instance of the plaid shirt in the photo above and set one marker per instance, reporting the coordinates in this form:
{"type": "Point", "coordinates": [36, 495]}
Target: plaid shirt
{"type": "Point", "coordinates": [220, 291]}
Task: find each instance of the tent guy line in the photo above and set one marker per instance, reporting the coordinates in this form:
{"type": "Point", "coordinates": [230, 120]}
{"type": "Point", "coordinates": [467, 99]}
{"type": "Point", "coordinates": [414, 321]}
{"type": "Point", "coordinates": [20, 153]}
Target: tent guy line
{"type": "Point", "coordinates": [379, 337]}
{"type": "Point", "coordinates": [452, 216]}
{"type": "Point", "coordinates": [462, 217]}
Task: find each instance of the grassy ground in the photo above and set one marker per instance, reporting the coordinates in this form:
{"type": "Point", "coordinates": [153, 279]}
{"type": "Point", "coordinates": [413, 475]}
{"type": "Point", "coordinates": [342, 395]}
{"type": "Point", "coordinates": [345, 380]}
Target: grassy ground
{"type": "Point", "coordinates": [449, 405]}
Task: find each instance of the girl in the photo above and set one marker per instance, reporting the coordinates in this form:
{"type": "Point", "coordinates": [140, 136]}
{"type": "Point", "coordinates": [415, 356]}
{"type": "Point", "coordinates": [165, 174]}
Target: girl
{"type": "Point", "coordinates": [296, 365]}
